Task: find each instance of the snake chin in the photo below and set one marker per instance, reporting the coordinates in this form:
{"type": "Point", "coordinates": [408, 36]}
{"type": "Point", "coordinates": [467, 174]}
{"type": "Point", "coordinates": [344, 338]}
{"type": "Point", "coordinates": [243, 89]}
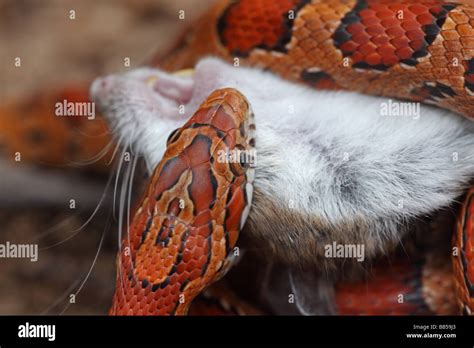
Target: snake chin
{"type": "Point", "coordinates": [330, 167]}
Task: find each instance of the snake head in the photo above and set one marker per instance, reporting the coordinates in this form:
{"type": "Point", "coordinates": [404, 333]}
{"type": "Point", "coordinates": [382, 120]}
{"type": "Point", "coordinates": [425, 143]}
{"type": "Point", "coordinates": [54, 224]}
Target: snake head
{"type": "Point", "coordinates": [196, 204]}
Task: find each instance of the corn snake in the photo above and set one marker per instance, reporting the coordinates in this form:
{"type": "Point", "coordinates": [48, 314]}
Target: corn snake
{"type": "Point", "coordinates": [421, 51]}
{"type": "Point", "coordinates": [185, 246]}
{"type": "Point", "coordinates": [271, 55]}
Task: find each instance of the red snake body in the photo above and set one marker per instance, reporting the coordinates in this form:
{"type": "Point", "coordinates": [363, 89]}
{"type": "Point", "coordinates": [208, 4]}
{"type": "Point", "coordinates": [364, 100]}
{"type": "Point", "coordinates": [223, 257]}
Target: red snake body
{"type": "Point", "coordinates": [416, 50]}
{"type": "Point", "coordinates": [463, 261]}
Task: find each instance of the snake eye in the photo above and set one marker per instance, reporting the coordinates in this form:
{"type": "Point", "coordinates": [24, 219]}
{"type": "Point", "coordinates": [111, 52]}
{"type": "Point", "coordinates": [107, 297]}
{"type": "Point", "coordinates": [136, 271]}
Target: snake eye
{"type": "Point", "coordinates": [173, 136]}
{"type": "Point", "coordinates": [239, 161]}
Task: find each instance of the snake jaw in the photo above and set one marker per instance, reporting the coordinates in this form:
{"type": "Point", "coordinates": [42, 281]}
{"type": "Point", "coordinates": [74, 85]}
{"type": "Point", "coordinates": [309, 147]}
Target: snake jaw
{"type": "Point", "coordinates": [196, 203]}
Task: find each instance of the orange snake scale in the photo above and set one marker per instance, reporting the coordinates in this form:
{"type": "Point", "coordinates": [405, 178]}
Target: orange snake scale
{"type": "Point", "coordinates": [188, 222]}
{"type": "Point", "coordinates": [417, 50]}
{"type": "Point", "coordinates": [192, 213]}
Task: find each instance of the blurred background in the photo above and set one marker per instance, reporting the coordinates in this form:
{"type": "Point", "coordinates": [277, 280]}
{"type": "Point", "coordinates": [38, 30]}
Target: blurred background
{"type": "Point", "coordinates": [56, 51]}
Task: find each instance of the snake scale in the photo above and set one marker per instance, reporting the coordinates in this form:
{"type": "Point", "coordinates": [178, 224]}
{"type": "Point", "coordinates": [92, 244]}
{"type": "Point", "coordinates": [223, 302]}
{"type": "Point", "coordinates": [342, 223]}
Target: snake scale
{"type": "Point", "coordinates": [416, 50]}
{"type": "Point", "coordinates": [185, 228]}
{"type": "Point", "coordinates": [192, 214]}
{"type": "Point", "coordinates": [422, 51]}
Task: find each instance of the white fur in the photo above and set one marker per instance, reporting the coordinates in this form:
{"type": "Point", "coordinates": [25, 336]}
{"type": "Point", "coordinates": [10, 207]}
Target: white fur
{"type": "Point", "coordinates": [334, 157]}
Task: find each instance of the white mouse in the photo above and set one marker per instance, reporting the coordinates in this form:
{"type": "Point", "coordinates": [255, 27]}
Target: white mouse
{"type": "Point", "coordinates": [331, 166]}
